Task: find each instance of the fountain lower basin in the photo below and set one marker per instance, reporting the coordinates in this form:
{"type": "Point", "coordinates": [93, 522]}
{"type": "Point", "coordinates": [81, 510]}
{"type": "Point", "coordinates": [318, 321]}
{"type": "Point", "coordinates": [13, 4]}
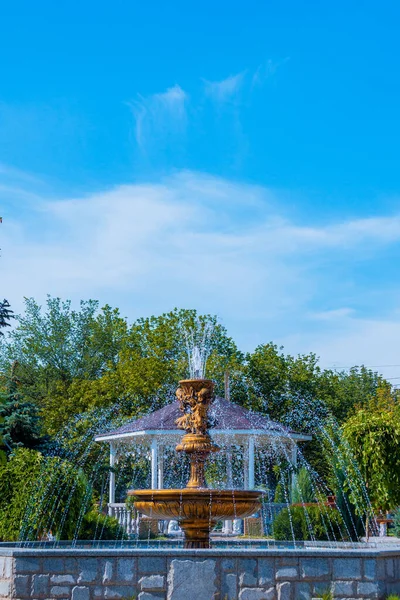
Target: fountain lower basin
{"type": "Point", "coordinates": [197, 510]}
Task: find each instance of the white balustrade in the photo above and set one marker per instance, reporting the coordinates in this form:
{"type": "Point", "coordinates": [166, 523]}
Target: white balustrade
{"type": "Point", "coordinates": [126, 518]}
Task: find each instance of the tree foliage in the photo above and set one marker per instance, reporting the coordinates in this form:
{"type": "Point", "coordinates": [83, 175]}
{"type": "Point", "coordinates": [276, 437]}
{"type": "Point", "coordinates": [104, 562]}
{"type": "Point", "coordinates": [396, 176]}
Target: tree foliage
{"type": "Point", "coordinates": [290, 388]}
{"type": "Point", "coordinates": [302, 488]}
{"type": "Point", "coordinates": [317, 522]}
{"type": "Point", "coordinates": [39, 494]}
{"type": "Point", "coordinates": [6, 314]}
{"type": "Point", "coordinates": [75, 363]}
{"type": "Point", "coordinates": [19, 420]}
{"type": "Point", "coordinates": [373, 434]}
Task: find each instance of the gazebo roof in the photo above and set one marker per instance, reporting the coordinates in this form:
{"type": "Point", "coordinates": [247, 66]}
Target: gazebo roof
{"type": "Point", "coordinates": [227, 418]}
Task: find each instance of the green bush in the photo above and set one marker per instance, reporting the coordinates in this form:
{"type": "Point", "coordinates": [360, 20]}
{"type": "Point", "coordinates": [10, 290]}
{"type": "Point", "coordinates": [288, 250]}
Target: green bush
{"type": "Point", "coordinates": [39, 494]}
{"type": "Point", "coordinates": [302, 489]}
{"type": "Point", "coordinates": [279, 494]}
{"type": "Point", "coordinates": [305, 523]}
{"type": "Point", "coordinates": [97, 526]}
{"type": "Point", "coordinates": [396, 522]}
{"type": "Point", "coordinates": [326, 595]}
{"type": "Point", "coordinates": [291, 524]}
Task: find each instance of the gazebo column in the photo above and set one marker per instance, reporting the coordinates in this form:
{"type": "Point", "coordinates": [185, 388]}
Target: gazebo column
{"type": "Point", "coordinates": [251, 459]}
{"type": "Point", "coordinates": [111, 490]}
{"type": "Point", "coordinates": [160, 471]}
{"type": "Point", "coordinates": [293, 460]}
{"type": "Point", "coordinates": [228, 523]}
{"type": "Point", "coordinates": [154, 463]}
{"type": "Point", "coordinates": [246, 467]}
{"type": "Point", "coordinates": [229, 468]}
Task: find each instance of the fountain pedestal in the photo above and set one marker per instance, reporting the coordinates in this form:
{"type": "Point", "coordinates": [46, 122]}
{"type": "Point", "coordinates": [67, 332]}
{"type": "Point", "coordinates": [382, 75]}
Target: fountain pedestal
{"type": "Point", "coordinates": [196, 508]}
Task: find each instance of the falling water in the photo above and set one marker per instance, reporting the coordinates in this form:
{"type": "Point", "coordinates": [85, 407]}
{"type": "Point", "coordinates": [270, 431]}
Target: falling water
{"type": "Point", "coordinates": [337, 521]}
{"type": "Point", "coordinates": [198, 347]}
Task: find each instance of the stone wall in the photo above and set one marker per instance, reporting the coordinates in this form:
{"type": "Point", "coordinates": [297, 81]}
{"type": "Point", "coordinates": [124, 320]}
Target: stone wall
{"type": "Point", "coordinates": [6, 576]}
{"type": "Point", "coordinates": [127, 574]}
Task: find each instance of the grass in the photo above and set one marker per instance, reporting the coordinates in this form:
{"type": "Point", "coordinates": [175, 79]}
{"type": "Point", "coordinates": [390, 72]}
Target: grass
{"type": "Point", "coordinates": [327, 595]}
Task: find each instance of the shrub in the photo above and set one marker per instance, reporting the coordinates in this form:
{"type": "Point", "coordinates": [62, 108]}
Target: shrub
{"type": "Point", "coordinates": [326, 595]}
{"type": "Point", "coordinates": [396, 522]}
{"type": "Point", "coordinates": [302, 490]}
{"type": "Point", "coordinates": [279, 494]}
{"type": "Point", "coordinates": [288, 525]}
{"type": "Point", "coordinates": [39, 494]}
{"type": "Point", "coordinates": [97, 526]}
{"type": "Point", "coordinates": [304, 523]}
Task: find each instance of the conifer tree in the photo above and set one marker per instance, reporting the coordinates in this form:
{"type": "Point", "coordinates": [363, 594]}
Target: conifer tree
{"type": "Point", "coordinates": [5, 314]}
{"type": "Point", "coordinates": [19, 419]}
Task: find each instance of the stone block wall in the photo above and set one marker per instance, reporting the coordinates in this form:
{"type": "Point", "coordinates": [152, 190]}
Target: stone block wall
{"type": "Point", "coordinates": [133, 574]}
{"type": "Point", "coordinates": [6, 576]}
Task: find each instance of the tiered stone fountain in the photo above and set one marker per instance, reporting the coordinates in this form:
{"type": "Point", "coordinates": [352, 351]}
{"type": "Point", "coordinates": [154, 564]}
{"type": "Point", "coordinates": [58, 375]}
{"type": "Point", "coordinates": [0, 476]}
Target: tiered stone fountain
{"type": "Point", "coordinates": [196, 507]}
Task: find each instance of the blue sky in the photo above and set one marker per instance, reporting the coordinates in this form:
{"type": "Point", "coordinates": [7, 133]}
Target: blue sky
{"type": "Point", "coordinates": [239, 158]}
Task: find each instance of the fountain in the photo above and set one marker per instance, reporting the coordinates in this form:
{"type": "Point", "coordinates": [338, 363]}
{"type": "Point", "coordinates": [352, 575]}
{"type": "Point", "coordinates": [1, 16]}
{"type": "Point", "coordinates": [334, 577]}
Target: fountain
{"type": "Point", "coordinates": [196, 508]}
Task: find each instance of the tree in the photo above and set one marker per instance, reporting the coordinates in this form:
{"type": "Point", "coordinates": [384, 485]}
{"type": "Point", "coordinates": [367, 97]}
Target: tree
{"type": "Point", "coordinates": [76, 361]}
{"type": "Point", "coordinates": [58, 346]}
{"type": "Point", "coordinates": [19, 420]}
{"type": "Point", "coordinates": [285, 386]}
{"type": "Point", "coordinates": [349, 391]}
{"type": "Point", "coordinates": [302, 488]}
{"type": "Point", "coordinates": [39, 494]}
{"type": "Point", "coordinates": [5, 314]}
{"type": "Point", "coordinates": [373, 434]}
{"type": "Point", "coordinates": [152, 359]}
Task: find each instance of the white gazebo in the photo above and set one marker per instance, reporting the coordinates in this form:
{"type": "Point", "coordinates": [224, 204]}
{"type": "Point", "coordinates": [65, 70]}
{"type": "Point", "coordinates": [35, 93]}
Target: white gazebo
{"type": "Point", "coordinates": [233, 426]}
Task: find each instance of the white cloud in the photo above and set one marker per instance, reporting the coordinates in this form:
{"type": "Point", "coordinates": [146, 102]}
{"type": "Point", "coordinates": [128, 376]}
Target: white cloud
{"type": "Point", "coordinates": [333, 315]}
{"type": "Point", "coordinates": [194, 240]}
{"type": "Point", "coordinates": [225, 90]}
{"type": "Point", "coordinates": [159, 114]}
{"type": "Point", "coordinates": [352, 341]}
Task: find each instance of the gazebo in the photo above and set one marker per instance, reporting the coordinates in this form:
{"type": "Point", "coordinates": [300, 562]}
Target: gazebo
{"type": "Point", "coordinates": [234, 425]}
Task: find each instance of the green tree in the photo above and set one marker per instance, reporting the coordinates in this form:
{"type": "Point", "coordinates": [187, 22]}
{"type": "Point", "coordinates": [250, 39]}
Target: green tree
{"type": "Point", "coordinates": [152, 359]}
{"type": "Point", "coordinates": [302, 488]}
{"type": "Point", "coordinates": [5, 315]}
{"type": "Point", "coordinates": [58, 347]}
{"type": "Point", "coordinates": [283, 385]}
{"type": "Point", "coordinates": [19, 420]}
{"type": "Point", "coordinates": [316, 522]}
{"type": "Point", "coordinates": [351, 390]}
{"type": "Point", "coordinates": [373, 434]}
{"type": "Point", "coordinates": [39, 494]}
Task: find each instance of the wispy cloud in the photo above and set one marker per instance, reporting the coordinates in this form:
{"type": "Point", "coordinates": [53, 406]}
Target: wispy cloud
{"type": "Point", "coordinates": [161, 120]}
{"type": "Point", "coordinates": [197, 240]}
{"type": "Point", "coordinates": [266, 70]}
{"type": "Point", "coordinates": [159, 114]}
{"type": "Point", "coordinates": [225, 90]}
{"type": "Point", "coordinates": [333, 315]}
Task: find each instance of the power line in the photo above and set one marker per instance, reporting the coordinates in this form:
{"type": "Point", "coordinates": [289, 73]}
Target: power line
{"type": "Point", "coordinates": [362, 365]}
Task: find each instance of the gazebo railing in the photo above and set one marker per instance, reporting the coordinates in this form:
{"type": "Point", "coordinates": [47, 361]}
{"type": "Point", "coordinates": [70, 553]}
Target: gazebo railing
{"type": "Point", "coordinates": [124, 516]}
{"type": "Point", "coordinates": [130, 522]}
